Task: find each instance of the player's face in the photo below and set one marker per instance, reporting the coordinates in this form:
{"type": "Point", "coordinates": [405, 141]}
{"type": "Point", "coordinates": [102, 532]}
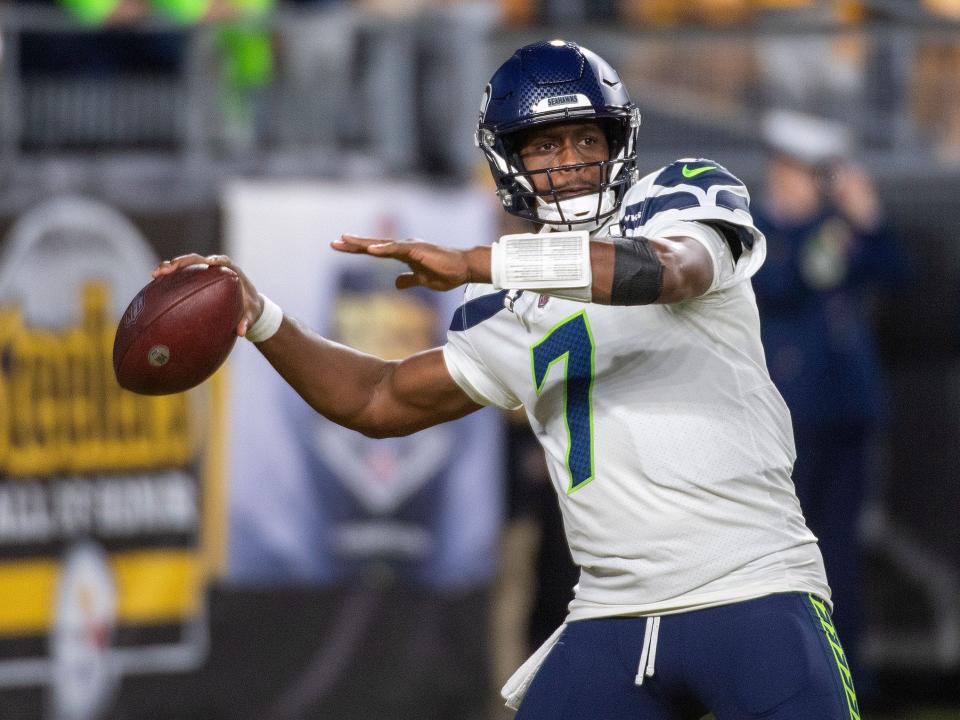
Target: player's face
{"type": "Point", "coordinates": [561, 144]}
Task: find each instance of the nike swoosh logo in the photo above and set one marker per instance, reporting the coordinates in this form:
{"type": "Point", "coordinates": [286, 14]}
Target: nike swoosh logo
{"type": "Point", "coordinates": [688, 173]}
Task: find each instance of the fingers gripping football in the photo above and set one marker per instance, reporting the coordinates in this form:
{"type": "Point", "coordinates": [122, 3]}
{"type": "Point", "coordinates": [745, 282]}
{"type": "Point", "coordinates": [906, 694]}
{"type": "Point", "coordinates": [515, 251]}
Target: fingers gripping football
{"type": "Point", "coordinates": [252, 303]}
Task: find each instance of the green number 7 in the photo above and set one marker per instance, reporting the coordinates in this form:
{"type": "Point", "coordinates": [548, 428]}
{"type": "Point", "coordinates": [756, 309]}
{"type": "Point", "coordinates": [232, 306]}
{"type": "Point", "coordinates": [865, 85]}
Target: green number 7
{"type": "Point", "coordinates": [572, 342]}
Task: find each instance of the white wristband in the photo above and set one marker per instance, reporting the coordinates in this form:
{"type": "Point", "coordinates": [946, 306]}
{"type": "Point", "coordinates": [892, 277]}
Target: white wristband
{"type": "Point", "coordinates": [542, 261]}
{"type": "Point", "coordinates": [267, 324]}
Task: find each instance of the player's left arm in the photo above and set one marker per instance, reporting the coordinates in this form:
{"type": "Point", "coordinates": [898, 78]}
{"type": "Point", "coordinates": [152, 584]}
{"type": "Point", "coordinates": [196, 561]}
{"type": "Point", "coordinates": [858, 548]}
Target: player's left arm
{"type": "Point", "coordinates": [641, 271]}
{"type": "Point", "coordinates": [628, 271]}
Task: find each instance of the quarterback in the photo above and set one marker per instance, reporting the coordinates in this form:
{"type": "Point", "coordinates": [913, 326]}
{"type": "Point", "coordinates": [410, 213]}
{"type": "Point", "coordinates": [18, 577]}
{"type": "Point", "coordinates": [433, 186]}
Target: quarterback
{"type": "Point", "coordinates": [626, 328]}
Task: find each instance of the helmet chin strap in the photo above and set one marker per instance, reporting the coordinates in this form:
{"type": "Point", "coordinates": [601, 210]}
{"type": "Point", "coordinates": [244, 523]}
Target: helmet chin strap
{"type": "Point", "coordinates": [584, 206]}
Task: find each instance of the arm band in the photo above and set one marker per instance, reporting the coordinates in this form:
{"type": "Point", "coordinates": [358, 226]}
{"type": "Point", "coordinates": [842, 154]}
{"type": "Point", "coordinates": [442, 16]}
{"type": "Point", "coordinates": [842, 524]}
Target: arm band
{"type": "Point", "coordinates": [637, 273]}
{"type": "Point", "coordinates": [542, 261]}
{"type": "Point", "coordinates": [267, 324]}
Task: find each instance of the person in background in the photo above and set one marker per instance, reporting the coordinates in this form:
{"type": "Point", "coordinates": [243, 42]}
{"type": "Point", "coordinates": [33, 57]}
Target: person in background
{"type": "Point", "coordinates": [831, 250]}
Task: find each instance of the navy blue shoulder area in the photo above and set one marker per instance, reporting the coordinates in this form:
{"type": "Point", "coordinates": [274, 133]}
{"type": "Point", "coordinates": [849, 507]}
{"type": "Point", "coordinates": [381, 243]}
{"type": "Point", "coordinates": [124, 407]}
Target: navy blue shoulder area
{"type": "Point", "coordinates": [699, 173]}
{"type": "Point", "coordinates": [473, 312]}
{"type": "Point", "coordinates": [700, 186]}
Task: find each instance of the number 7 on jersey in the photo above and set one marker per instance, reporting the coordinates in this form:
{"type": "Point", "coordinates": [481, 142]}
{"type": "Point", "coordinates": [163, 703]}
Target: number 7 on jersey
{"type": "Point", "coordinates": [571, 341]}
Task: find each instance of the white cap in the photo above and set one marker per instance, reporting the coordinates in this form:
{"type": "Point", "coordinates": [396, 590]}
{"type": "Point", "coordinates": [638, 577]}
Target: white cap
{"type": "Point", "coordinates": [807, 138]}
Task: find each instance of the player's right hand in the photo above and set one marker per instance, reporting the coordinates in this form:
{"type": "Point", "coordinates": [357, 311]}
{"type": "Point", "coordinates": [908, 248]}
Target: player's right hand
{"type": "Point", "coordinates": [252, 302]}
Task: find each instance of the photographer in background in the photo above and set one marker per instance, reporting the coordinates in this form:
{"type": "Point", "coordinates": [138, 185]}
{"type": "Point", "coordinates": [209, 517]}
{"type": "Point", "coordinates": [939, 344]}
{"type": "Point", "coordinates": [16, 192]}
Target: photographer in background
{"type": "Point", "coordinates": [830, 254]}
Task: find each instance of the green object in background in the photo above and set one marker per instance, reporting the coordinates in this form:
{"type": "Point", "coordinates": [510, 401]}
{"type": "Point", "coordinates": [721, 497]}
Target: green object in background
{"type": "Point", "coordinates": [253, 7]}
{"type": "Point", "coordinates": [248, 47]}
{"type": "Point", "coordinates": [188, 12]}
{"type": "Point", "coordinates": [90, 12]}
{"type": "Point", "coordinates": [247, 57]}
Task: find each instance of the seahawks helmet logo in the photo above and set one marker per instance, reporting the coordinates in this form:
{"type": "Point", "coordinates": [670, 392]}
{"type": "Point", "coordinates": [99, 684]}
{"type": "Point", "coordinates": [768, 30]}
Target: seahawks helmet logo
{"type": "Point", "coordinates": [570, 100]}
{"type": "Point", "coordinates": [562, 100]}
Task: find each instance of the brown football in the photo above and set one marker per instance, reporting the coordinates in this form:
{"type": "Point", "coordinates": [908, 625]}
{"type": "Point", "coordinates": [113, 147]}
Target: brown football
{"type": "Point", "coordinates": [178, 330]}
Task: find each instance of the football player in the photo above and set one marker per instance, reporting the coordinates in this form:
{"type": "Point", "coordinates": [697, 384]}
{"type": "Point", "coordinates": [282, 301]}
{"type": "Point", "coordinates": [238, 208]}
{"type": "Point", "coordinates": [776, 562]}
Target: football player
{"type": "Point", "coordinates": [627, 330]}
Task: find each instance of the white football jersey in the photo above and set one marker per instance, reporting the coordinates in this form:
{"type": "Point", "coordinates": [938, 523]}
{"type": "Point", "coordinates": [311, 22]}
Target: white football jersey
{"type": "Point", "coordinates": [670, 448]}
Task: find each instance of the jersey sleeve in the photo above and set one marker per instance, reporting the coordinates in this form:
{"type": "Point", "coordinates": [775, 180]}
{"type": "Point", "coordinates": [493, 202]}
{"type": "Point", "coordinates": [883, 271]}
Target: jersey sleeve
{"type": "Point", "coordinates": [691, 196]}
{"type": "Point", "coordinates": [468, 370]}
{"type": "Point", "coordinates": [727, 269]}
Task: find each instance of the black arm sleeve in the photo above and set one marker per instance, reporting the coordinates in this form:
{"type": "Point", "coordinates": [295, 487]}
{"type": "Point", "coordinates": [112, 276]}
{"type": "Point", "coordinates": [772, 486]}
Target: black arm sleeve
{"type": "Point", "coordinates": [637, 273]}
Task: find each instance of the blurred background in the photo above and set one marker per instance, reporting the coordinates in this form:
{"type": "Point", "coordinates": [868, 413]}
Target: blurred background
{"type": "Point", "coordinates": [224, 554]}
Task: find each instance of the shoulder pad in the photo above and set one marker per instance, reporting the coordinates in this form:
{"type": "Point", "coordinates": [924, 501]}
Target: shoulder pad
{"type": "Point", "coordinates": [694, 189]}
{"type": "Point", "coordinates": [698, 172]}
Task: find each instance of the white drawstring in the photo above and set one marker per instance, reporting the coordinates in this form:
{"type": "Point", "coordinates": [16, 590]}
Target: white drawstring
{"type": "Point", "coordinates": [648, 655]}
{"type": "Point", "coordinates": [511, 298]}
{"type": "Point", "coordinates": [510, 303]}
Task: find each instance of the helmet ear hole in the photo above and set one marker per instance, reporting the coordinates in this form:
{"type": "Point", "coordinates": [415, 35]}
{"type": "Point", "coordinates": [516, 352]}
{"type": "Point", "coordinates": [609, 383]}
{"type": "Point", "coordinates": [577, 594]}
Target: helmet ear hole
{"type": "Point", "coordinates": [511, 144]}
{"type": "Point", "coordinates": [617, 133]}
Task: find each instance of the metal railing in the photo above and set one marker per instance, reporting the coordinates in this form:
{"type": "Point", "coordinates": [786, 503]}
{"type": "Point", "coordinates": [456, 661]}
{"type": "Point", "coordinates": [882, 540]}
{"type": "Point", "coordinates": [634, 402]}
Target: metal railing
{"type": "Point", "coordinates": [405, 91]}
{"type": "Point", "coordinates": [360, 94]}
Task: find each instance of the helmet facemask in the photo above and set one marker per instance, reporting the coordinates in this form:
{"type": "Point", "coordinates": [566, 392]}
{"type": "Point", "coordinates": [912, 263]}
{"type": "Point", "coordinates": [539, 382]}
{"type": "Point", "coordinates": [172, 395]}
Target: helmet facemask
{"type": "Point", "coordinates": [588, 211]}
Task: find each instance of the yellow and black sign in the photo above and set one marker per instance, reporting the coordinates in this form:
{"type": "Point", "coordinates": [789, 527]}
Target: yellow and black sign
{"type": "Point", "coordinates": [110, 502]}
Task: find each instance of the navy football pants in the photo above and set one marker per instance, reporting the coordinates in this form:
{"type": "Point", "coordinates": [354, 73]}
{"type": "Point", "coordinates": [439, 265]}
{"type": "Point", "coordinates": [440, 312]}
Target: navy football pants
{"type": "Point", "coordinates": [777, 658]}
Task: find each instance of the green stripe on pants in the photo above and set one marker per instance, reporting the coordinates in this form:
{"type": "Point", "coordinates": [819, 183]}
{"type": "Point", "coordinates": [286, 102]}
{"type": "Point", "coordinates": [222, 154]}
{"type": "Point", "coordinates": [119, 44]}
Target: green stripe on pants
{"type": "Point", "coordinates": [846, 679]}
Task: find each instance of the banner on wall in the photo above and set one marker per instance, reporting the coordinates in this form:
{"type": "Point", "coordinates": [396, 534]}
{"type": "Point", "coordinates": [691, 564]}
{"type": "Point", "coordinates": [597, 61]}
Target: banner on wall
{"type": "Point", "coordinates": [311, 501]}
{"type": "Point", "coordinates": [109, 501]}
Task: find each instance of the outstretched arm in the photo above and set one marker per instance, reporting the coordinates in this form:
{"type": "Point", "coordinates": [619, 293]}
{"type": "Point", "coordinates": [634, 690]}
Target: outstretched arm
{"type": "Point", "coordinates": [362, 392]}
{"type": "Point", "coordinates": [376, 397]}
{"type": "Point", "coordinates": [687, 266]}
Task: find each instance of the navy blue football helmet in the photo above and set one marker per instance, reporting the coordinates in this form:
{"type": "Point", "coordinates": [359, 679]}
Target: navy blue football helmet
{"type": "Point", "coordinates": [549, 82]}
